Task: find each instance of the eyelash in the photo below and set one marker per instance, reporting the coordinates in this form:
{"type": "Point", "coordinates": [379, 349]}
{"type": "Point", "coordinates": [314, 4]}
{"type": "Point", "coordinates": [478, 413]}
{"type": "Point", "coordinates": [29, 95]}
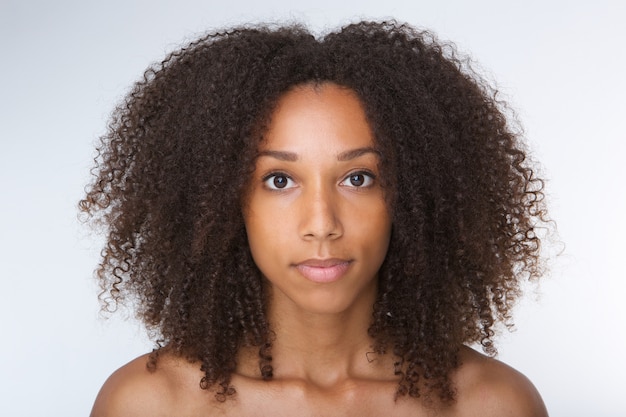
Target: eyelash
{"type": "Point", "coordinates": [276, 174]}
{"type": "Point", "coordinates": [367, 174]}
{"type": "Point", "coordinates": [369, 179]}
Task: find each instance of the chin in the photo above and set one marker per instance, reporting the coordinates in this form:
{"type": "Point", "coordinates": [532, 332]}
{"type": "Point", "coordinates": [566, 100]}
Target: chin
{"type": "Point", "coordinates": [330, 299]}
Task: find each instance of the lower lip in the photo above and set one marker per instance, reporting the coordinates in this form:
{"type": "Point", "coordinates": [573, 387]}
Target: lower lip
{"type": "Point", "coordinates": [323, 274]}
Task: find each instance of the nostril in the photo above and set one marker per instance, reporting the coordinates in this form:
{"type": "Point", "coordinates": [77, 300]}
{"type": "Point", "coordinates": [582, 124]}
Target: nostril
{"type": "Point", "coordinates": [321, 221]}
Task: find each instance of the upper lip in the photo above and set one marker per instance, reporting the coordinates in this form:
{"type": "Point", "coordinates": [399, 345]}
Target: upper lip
{"type": "Point", "coordinates": [322, 263]}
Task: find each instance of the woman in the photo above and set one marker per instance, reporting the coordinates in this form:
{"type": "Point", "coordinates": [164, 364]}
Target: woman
{"type": "Point", "coordinates": [316, 227]}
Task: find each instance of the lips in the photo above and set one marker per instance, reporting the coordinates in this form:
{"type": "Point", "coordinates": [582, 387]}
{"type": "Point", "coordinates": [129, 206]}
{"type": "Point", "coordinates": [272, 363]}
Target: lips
{"type": "Point", "coordinates": [323, 270]}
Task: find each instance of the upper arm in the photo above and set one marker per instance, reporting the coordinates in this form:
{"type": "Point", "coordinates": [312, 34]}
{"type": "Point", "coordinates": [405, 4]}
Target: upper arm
{"type": "Point", "coordinates": [132, 391]}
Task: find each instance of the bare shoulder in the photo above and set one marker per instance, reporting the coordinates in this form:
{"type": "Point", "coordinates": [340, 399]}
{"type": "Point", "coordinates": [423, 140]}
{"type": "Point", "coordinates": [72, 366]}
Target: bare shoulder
{"type": "Point", "coordinates": [135, 391]}
{"type": "Point", "coordinates": [487, 387]}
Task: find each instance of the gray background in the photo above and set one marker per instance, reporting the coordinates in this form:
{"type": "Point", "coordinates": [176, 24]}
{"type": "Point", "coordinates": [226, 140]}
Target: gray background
{"type": "Point", "coordinates": [65, 64]}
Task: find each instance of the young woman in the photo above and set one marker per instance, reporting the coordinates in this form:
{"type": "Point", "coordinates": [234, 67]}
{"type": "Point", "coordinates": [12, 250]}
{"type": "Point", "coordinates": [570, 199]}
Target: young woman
{"type": "Point", "coordinates": [316, 227]}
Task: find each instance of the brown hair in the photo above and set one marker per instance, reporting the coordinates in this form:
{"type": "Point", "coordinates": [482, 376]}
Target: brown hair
{"type": "Point", "coordinates": [173, 166]}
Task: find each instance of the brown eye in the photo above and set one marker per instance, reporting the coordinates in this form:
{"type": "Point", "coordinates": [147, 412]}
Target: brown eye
{"type": "Point", "coordinates": [359, 180]}
{"type": "Point", "coordinates": [278, 181]}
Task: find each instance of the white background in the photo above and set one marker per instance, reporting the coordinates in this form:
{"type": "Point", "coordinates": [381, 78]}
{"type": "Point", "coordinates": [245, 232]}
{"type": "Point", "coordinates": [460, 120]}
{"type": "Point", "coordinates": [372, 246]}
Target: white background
{"type": "Point", "coordinates": [65, 64]}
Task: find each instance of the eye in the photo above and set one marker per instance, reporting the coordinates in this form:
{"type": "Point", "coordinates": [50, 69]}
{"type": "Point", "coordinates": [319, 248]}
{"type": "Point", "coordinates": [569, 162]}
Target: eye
{"type": "Point", "coordinates": [278, 181]}
{"type": "Point", "coordinates": [360, 179]}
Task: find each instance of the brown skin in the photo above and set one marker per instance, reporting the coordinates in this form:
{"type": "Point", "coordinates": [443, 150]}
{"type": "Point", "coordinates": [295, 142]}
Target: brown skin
{"type": "Point", "coordinates": [315, 210]}
{"type": "Point", "coordinates": [485, 386]}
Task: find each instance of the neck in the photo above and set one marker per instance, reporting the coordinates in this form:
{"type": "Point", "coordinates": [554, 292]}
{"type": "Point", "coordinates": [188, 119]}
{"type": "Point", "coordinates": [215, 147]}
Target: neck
{"type": "Point", "coordinates": [322, 348]}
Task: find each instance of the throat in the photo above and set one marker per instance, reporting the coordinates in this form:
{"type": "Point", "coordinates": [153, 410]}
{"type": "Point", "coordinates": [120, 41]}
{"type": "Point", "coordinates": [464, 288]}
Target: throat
{"type": "Point", "coordinates": [327, 354]}
{"type": "Point", "coordinates": [322, 347]}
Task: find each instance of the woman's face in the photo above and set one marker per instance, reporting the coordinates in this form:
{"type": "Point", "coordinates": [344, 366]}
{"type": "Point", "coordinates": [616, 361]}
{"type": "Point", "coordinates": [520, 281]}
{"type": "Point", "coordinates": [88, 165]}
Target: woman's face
{"type": "Point", "coordinates": [316, 217]}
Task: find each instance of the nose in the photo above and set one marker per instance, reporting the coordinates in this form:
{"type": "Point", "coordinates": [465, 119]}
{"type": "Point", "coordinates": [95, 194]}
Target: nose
{"type": "Point", "coordinates": [320, 219]}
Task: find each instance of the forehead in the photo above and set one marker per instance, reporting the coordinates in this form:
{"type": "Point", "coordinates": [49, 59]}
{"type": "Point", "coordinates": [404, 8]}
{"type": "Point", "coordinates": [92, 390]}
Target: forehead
{"type": "Point", "coordinates": [311, 117]}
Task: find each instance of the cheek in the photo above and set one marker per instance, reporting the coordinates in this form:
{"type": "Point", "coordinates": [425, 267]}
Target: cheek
{"type": "Point", "coordinates": [265, 238]}
{"type": "Point", "coordinates": [257, 234]}
{"type": "Point", "coordinates": [383, 234]}
{"type": "Point", "coordinates": [373, 228]}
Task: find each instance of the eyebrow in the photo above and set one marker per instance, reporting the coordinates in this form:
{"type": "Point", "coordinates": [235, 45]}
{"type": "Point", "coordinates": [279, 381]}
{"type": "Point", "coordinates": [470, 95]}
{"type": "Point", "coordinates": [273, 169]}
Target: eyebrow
{"type": "Point", "coordinates": [355, 153]}
{"type": "Point", "coordinates": [280, 155]}
{"type": "Point", "coordinates": [343, 156]}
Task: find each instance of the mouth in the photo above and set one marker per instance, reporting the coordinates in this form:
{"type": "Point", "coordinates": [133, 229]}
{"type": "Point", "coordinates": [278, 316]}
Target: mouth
{"type": "Point", "coordinates": [323, 270]}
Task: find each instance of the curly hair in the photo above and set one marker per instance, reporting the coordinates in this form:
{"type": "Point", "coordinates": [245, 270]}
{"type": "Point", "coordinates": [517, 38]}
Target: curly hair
{"type": "Point", "coordinates": [173, 167]}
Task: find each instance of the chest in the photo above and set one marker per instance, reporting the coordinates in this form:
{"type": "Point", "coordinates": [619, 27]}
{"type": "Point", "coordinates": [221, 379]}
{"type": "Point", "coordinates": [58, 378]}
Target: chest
{"type": "Point", "coordinates": [364, 400]}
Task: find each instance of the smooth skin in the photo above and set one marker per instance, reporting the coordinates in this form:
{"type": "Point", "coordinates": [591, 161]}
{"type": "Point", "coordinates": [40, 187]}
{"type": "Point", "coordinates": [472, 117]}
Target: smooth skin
{"type": "Point", "coordinates": [318, 226]}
